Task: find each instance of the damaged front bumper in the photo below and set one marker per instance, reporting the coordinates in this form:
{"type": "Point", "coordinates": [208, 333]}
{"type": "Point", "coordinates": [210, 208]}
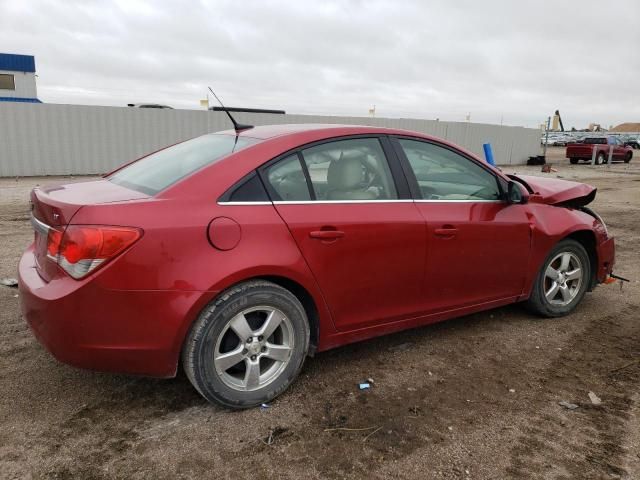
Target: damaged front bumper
{"type": "Point", "coordinates": [606, 259]}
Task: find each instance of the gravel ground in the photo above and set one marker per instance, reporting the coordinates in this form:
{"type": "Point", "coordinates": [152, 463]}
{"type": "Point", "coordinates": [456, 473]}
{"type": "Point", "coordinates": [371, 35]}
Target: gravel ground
{"type": "Point", "coordinates": [472, 398]}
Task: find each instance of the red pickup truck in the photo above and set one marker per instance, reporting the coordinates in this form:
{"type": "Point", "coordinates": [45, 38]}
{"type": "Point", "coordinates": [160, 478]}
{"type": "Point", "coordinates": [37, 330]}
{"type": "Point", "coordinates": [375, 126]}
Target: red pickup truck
{"type": "Point", "coordinates": [602, 145]}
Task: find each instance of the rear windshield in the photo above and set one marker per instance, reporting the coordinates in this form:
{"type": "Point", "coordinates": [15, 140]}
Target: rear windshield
{"type": "Point", "coordinates": [159, 170]}
{"type": "Point", "coordinates": [596, 141]}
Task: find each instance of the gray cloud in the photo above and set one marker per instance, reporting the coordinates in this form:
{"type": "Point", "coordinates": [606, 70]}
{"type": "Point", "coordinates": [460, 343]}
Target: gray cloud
{"type": "Point", "coordinates": [438, 59]}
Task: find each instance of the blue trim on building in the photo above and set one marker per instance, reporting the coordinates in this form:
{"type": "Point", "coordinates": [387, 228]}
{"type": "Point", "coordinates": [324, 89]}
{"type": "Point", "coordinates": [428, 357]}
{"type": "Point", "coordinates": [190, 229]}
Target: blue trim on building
{"type": "Point", "coordinates": [17, 63]}
{"type": "Point", "coordinates": [19, 99]}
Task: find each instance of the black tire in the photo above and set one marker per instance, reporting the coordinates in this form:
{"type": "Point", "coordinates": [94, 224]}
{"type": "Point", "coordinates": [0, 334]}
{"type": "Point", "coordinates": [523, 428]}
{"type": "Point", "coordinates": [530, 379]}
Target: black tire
{"type": "Point", "coordinates": [600, 159]}
{"type": "Point", "coordinates": [627, 159]}
{"type": "Point", "coordinates": [573, 161]}
{"type": "Point", "coordinates": [538, 302]}
{"type": "Point", "coordinates": [205, 338]}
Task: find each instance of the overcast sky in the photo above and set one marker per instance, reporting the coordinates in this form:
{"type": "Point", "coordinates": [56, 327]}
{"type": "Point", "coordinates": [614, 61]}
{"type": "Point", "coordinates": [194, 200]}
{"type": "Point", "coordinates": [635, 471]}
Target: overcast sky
{"type": "Point", "coordinates": [497, 60]}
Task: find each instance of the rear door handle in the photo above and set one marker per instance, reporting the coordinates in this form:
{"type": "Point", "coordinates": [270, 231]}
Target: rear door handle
{"type": "Point", "coordinates": [446, 231]}
{"type": "Point", "coordinates": [326, 234]}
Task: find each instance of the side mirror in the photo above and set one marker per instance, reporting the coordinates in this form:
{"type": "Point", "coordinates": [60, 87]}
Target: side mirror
{"type": "Point", "coordinates": [516, 193]}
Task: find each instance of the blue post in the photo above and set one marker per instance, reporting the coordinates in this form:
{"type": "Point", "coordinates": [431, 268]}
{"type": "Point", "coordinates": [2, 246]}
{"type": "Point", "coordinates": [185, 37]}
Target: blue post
{"type": "Point", "coordinates": [488, 154]}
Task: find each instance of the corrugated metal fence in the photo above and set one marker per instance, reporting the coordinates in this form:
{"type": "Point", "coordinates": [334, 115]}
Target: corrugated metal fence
{"type": "Point", "coordinates": [48, 139]}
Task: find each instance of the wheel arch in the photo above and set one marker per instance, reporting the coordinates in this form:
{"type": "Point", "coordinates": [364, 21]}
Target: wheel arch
{"type": "Point", "coordinates": [307, 301]}
{"type": "Point", "coordinates": [317, 313]}
{"type": "Point", "coordinates": [587, 239]}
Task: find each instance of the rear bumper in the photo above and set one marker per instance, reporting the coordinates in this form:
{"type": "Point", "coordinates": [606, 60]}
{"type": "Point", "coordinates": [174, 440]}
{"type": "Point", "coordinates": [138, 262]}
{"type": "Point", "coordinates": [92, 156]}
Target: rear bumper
{"type": "Point", "coordinates": [606, 259]}
{"type": "Point", "coordinates": [87, 326]}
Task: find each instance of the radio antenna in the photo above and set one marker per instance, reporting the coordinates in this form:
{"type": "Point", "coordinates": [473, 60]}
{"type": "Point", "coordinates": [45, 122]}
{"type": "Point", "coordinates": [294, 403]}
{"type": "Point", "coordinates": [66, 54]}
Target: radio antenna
{"type": "Point", "coordinates": [238, 127]}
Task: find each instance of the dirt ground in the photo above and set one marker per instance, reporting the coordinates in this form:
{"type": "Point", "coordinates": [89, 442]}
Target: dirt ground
{"type": "Point", "coordinates": [472, 398]}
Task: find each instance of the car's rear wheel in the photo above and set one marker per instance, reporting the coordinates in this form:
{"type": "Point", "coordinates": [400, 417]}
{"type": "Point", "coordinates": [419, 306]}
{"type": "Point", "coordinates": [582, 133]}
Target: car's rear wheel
{"type": "Point", "coordinates": [627, 159]}
{"type": "Point", "coordinates": [573, 161]}
{"type": "Point", "coordinates": [600, 159]}
{"type": "Point", "coordinates": [247, 346]}
{"type": "Point", "coordinates": [562, 281]}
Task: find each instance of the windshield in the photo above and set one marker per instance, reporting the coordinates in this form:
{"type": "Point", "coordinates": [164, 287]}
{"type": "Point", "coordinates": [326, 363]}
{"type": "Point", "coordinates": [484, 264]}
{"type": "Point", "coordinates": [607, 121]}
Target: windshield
{"type": "Point", "coordinates": [159, 170]}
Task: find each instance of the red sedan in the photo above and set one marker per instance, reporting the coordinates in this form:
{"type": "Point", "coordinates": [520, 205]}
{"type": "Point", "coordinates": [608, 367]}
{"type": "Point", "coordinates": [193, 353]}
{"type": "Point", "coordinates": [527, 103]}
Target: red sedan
{"type": "Point", "coordinates": [240, 253]}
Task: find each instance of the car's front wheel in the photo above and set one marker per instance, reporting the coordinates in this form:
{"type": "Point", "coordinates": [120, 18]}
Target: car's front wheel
{"type": "Point", "coordinates": [248, 345]}
{"type": "Point", "coordinates": [562, 281]}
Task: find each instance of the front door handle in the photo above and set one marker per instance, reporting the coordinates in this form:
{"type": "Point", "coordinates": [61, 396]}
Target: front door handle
{"type": "Point", "coordinates": [326, 234]}
{"type": "Point", "coordinates": [447, 231]}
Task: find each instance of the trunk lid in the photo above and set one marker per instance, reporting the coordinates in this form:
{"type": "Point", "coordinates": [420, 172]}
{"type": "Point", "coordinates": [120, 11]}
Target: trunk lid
{"type": "Point", "coordinates": [53, 207]}
{"type": "Point", "coordinates": [554, 191]}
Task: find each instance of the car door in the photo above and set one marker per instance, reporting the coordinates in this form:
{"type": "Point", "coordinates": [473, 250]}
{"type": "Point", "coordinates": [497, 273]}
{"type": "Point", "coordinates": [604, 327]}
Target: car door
{"type": "Point", "coordinates": [477, 244]}
{"type": "Point", "coordinates": [356, 227]}
{"type": "Point", "coordinates": [619, 149]}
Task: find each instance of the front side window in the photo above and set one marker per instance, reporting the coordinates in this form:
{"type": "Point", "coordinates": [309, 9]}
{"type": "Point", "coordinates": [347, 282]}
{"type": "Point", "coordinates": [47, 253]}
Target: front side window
{"type": "Point", "coordinates": [443, 174]}
{"type": "Point", "coordinates": [7, 82]}
{"type": "Point", "coordinates": [159, 170]}
{"type": "Point", "coordinates": [354, 169]}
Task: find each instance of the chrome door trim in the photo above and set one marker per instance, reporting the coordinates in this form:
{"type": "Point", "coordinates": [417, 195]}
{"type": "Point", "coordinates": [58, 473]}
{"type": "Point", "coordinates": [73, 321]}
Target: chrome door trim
{"type": "Point", "coordinates": [244, 203]}
{"type": "Point", "coordinates": [325, 202]}
{"type": "Point", "coordinates": [311, 202]}
{"type": "Point", "coordinates": [459, 201]}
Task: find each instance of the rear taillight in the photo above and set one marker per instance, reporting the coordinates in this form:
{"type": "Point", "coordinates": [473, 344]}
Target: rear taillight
{"type": "Point", "coordinates": [81, 249]}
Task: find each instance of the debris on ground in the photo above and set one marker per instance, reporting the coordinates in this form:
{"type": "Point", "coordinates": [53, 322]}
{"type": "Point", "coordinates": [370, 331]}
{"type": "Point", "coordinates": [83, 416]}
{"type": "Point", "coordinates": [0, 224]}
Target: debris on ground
{"type": "Point", "coordinates": [568, 405]}
{"type": "Point", "coordinates": [273, 433]}
{"type": "Point", "coordinates": [548, 168]}
{"type": "Point", "coordinates": [269, 439]}
{"type": "Point", "coordinates": [364, 386]}
{"type": "Point", "coordinates": [595, 400]}
{"type": "Point", "coordinates": [9, 282]}
{"type": "Point", "coordinates": [415, 411]}
{"type": "Point", "coordinates": [367, 437]}
{"type": "Point", "coordinates": [512, 390]}
{"type": "Point", "coordinates": [264, 406]}
{"type": "Point", "coordinates": [400, 348]}
{"type": "Point", "coordinates": [625, 366]}
{"type": "Point", "coordinates": [348, 429]}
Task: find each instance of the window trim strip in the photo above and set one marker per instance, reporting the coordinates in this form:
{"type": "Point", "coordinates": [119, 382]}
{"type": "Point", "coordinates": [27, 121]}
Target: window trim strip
{"type": "Point", "coordinates": [307, 202]}
{"type": "Point", "coordinates": [245, 203]}
{"type": "Point", "coordinates": [315, 202]}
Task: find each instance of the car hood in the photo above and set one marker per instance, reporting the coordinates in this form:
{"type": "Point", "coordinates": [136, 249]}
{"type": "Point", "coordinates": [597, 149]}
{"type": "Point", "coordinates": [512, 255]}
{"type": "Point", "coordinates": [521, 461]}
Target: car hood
{"type": "Point", "coordinates": [554, 191]}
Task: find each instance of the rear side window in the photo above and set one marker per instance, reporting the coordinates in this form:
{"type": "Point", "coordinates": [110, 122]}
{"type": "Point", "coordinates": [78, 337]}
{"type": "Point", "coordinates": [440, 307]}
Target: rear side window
{"type": "Point", "coordinates": [443, 174]}
{"type": "Point", "coordinates": [249, 189]}
{"type": "Point", "coordinates": [159, 170]}
{"type": "Point", "coordinates": [287, 180]}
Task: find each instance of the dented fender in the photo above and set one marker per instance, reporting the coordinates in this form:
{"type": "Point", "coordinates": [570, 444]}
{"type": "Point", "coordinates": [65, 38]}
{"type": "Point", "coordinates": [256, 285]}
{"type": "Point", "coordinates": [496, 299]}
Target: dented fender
{"type": "Point", "coordinates": [550, 224]}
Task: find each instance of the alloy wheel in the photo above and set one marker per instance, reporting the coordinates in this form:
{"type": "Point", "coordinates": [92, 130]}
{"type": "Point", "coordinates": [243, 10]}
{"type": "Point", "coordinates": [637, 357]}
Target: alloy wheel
{"type": "Point", "coordinates": [563, 279]}
{"type": "Point", "coordinates": [254, 348]}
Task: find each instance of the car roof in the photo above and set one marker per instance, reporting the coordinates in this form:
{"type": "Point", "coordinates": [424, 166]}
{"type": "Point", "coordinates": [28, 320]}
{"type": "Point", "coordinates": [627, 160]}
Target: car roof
{"type": "Point", "coordinates": [272, 141]}
{"type": "Point", "coordinates": [266, 132]}
{"type": "Point", "coordinates": [289, 136]}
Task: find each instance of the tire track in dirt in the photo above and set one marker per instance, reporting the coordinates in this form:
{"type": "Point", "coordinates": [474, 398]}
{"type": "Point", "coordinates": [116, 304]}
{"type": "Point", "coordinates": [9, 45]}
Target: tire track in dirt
{"type": "Point", "coordinates": [97, 434]}
{"type": "Point", "coordinates": [586, 442]}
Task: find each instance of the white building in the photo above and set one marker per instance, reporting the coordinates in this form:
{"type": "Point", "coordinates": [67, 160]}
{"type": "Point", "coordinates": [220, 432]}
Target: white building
{"type": "Point", "coordinates": [18, 78]}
